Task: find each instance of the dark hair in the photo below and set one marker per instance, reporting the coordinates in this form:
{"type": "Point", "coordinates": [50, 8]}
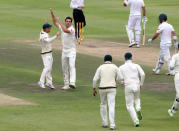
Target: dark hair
{"type": "Point", "coordinates": [68, 18]}
{"type": "Point", "coordinates": [162, 17]}
{"type": "Point", "coordinates": [128, 56]}
{"type": "Point", "coordinates": [108, 58]}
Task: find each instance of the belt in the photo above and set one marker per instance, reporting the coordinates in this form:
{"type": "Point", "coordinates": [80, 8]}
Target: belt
{"type": "Point", "coordinates": [76, 9]}
{"type": "Point", "coordinates": [104, 88]}
{"type": "Point", "coordinates": [46, 52]}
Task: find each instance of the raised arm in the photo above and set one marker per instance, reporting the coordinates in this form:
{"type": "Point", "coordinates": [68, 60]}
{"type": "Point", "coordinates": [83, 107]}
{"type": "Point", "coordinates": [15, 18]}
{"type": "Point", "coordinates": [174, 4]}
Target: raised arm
{"type": "Point", "coordinates": [53, 18]}
{"type": "Point", "coordinates": [62, 26]}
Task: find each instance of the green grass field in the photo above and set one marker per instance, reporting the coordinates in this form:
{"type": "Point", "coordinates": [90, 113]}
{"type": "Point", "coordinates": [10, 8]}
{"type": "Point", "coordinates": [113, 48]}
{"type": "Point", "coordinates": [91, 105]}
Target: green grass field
{"type": "Point", "coordinates": [74, 110]}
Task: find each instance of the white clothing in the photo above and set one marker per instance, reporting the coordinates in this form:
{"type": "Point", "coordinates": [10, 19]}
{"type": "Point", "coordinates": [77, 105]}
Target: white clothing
{"type": "Point", "coordinates": [132, 97]}
{"type": "Point", "coordinates": [46, 42]}
{"type": "Point", "coordinates": [46, 73]}
{"type": "Point", "coordinates": [68, 56]}
{"type": "Point", "coordinates": [68, 40]}
{"type": "Point", "coordinates": [174, 64]}
{"type": "Point", "coordinates": [107, 96]}
{"type": "Point", "coordinates": [129, 73]}
{"type": "Point", "coordinates": [75, 3]}
{"type": "Point", "coordinates": [68, 67]}
{"type": "Point", "coordinates": [135, 6]}
{"type": "Point", "coordinates": [165, 31]}
{"type": "Point", "coordinates": [107, 73]}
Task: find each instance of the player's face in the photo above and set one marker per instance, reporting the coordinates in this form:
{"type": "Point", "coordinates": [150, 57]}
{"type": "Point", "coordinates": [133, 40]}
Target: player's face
{"type": "Point", "coordinates": [47, 30]}
{"type": "Point", "coordinates": [68, 22]}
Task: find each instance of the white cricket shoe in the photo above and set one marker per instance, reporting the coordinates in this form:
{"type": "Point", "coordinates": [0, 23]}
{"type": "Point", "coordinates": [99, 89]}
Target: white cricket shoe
{"type": "Point", "coordinates": [50, 86]}
{"type": "Point", "coordinates": [157, 72]}
{"type": "Point", "coordinates": [65, 87]}
{"type": "Point", "coordinates": [41, 85]}
{"type": "Point", "coordinates": [170, 113]}
{"type": "Point", "coordinates": [138, 46]}
{"type": "Point", "coordinates": [132, 44]}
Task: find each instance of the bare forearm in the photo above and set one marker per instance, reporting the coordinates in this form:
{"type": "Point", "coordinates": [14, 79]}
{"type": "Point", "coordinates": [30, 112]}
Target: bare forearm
{"type": "Point", "coordinates": [155, 36]}
{"type": "Point", "coordinates": [63, 27]}
{"type": "Point", "coordinates": [144, 11]}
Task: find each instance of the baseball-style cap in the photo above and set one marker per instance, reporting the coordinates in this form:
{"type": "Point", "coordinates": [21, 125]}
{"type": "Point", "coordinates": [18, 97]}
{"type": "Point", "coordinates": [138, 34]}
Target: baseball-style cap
{"type": "Point", "coordinates": [47, 26]}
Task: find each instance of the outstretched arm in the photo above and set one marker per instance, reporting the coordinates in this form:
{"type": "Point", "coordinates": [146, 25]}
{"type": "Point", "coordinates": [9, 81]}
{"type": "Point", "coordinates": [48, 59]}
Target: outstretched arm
{"type": "Point", "coordinates": [53, 18]}
{"type": "Point", "coordinates": [155, 36]}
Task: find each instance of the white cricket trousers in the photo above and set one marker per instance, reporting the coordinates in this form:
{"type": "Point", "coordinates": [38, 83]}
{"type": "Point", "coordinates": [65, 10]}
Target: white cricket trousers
{"type": "Point", "coordinates": [134, 23]}
{"type": "Point", "coordinates": [164, 57]}
{"type": "Point", "coordinates": [132, 96]}
{"type": "Point", "coordinates": [46, 73]}
{"type": "Point", "coordinates": [68, 67]}
{"type": "Point", "coordinates": [176, 101]}
{"type": "Point", "coordinates": [107, 96]}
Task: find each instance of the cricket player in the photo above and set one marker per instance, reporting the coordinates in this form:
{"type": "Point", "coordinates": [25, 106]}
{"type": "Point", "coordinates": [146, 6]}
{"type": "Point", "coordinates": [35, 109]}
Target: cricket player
{"type": "Point", "coordinates": [134, 22]}
{"type": "Point", "coordinates": [46, 54]}
{"type": "Point", "coordinates": [78, 15]}
{"type": "Point", "coordinates": [129, 76]}
{"type": "Point", "coordinates": [166, 31]}
{"type": "Point", "coordinates": [68, 52]}
{"type": "Point", "coordinates": [107, 74]}
{"type": "Point", "coordinates": [174, 64]}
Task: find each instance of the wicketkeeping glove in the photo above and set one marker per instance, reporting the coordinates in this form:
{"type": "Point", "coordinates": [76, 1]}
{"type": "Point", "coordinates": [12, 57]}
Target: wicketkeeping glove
{"type": "Point", "coordinates": [150, 42]}
{"type": "Point", "coordinates": [144, 20]}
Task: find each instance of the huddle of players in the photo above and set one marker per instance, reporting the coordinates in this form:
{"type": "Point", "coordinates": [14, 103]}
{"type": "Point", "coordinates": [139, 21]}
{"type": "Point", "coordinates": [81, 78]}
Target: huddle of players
{"type": "Point", "coordinates": [108, 92]}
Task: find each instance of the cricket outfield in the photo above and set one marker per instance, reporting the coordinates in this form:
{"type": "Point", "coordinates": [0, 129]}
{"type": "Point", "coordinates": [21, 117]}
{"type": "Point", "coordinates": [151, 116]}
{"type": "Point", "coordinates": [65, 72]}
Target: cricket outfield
{"type": "Point", "coordinates": [77, 110]}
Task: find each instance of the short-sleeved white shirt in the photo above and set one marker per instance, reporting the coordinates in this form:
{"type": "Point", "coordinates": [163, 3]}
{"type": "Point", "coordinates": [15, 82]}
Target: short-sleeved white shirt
{"type": "Point", "coordinates": [68, 40]}
{"type": "Point", "coordinates": [165, 31]}
{"type": "Point", "coordinates": [135, 6]}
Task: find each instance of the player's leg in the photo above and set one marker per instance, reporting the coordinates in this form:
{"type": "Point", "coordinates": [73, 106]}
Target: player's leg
{"type": "Point", "coordinates": [72, 60]}
{"type": "Point", "coordinates": [49, 73]}
{"type": "Point", "coordinates": [167, 58]}
{"type": "Point", "coordinates": [138, 103]}
{"type": "Point", "coordinates": [65, 68]}
{"type": "Point", "coordinates": [138, 30]}
{"type": "Point", "coordinates": [175, 106]}
{"type": "Point", "coordinates": [129, 96]}
{"type": "Point", "coordinates": [129, 29]}
{"type": "Point", "coordinates": [159, 64]}
{"type": "Point", "coordinates": [103, 107]}
{"type": "Point", "coordinates": [111, 103]}
{"type": "Point", "coordinates": [45, 59]}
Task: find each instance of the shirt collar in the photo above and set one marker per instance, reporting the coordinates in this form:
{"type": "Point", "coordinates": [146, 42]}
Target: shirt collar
{"type": "Point", "coordinates": [44, 32]}
{"type": "Point", "coordinates": [129, 61]}
{"type": "Point", "coordinates": [108, 62]}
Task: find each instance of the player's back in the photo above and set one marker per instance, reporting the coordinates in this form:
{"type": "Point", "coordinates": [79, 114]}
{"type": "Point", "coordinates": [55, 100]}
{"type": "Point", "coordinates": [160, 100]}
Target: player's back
{"type": "Point", "coordinates": [130, 73]}
{"type": "Point", "coordinates": [135, 6]}
{"type": "Point", "coordinates": [166, 31]}
{"type": "Point", "coordinates": [108, 75]}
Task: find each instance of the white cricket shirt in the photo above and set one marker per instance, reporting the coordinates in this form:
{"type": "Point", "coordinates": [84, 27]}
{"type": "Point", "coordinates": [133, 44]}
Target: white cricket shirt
{"type": "Point", "coordinates": [46, 42]}
{"type": "Point", "coordinates": [165, 31]}
{"type": "Point", "coordinates": [135, 6]}
{"type": "Point", "coordinates": [130, 72]}
{"type": "Point", "coordinates": [174, 64]}
{"type": "Point", "coordinates": [107, 74]}
{"type": "Point", "coordinates": [75, 3]}
{"type": "Point", "coordinates": [68, 40]}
